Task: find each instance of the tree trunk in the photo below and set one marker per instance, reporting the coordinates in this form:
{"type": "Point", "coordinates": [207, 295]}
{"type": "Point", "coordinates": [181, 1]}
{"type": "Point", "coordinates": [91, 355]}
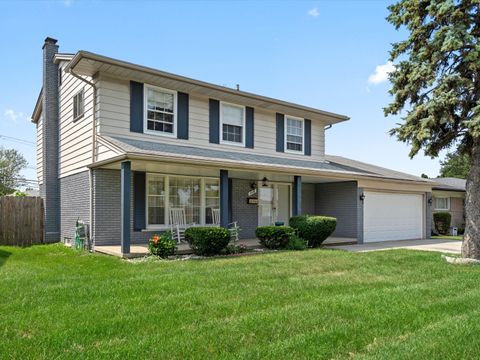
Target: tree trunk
{"type": "Point", "coordinates": [471, 239]}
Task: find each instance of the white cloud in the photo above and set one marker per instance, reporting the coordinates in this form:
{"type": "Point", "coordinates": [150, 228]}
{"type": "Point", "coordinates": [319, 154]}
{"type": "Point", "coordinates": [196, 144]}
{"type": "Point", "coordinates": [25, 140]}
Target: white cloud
{"type": "Point", "coordinates": [67, 3]}
{"type": "Point", "coordinates": [313, 12]}
{"type": "Point", "coordinates": [14, 116]}
{"type": "Point", "coordinates": [381, 73]}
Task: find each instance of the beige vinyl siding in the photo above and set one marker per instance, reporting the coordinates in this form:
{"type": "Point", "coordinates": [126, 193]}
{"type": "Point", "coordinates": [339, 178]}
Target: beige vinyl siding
{"type": "Point", "coordinates": [75, 140]}
{"type": "Point", "coordinates": [386, 185]}
{"type": "Point", "coordinates": [114, 120]}
{"type": "Point", "coordinates": [104, 152]}
{"type": "Point", "coordinates": [40, 150]}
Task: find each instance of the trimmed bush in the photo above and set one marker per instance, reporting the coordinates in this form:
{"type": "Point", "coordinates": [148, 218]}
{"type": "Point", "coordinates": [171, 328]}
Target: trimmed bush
{"type": "Point", "coordinates": [295, 221]}
{"type": "Point", "coordinates": [207, 241]}
{"type": "Point", "coordinates": [274, 237]}
{"type": "Point", "coordinates": [162, 245]}
{"type": "Point", "coordinates": [442, 221]}
{"type": "Point", "coordinates": [314, 229]}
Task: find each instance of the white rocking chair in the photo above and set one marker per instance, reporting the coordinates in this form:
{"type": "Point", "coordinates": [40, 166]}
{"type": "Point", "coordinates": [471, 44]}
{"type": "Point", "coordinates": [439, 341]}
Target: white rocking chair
{"type": "Point", "coordinates": [178, 224]}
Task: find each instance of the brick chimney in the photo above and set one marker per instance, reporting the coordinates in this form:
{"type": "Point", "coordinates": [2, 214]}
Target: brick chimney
{"type": "Point", "coordinates": [51, 183]}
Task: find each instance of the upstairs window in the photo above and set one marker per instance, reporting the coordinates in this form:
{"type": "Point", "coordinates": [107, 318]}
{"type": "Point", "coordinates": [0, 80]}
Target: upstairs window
{"type": "Point", "coordinates": [294, 134]}
{"type": "Point", "coordinates": [160, 110]}
{"type": "Point", "coordinates": [232, 119]}
{"type": "Point", "coordinates": [442, 203]}
{"type": "Point", "coordinates": [78, 105]}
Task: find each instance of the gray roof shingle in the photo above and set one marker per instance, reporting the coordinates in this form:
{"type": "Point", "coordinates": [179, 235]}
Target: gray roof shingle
{"type": "Point", "coordinates": [449, 183]}
{"type": "Point", "coordinates": [333, 163]}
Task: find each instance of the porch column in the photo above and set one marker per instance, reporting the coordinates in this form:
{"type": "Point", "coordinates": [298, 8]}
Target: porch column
{"type": "Point", "coordinates": [125, 187]}
{"type": "Point", "coordinates": [297, 196]}
{"type": "Point", "coordinates": [224, 196]}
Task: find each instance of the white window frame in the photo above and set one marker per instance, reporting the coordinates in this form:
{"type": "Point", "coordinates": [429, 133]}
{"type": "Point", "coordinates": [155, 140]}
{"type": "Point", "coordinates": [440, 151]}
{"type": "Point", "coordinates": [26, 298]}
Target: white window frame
{"type": "Point", "coordinates": [146, 87]}
{"type": "Point", "coordinates": [286, 133]}
{"type": "Point", "coordinates": [166, 183]}
{"type": "Point", "coordinates": [74, 100]}
{"type": "Point", "coordinates": [441, 209]}
{"type": "Point", "coordinates": [242, 144]}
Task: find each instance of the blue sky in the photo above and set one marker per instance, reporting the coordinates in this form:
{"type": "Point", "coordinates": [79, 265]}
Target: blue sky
{"type": "Point", "coordinates": [330, 55]}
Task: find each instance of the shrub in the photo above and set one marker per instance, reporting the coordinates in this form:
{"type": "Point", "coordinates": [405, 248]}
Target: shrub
{"type": "Point", "coordinates": [442, 222]}
{"type": "Point", "coordinates": [207, 241]}
{"type": "Point", "coordinates": [295, 221]}
{"type": "Point", "coordinates": [162, 245]}
{"type": "Point", "coordinates": [314, 229]}
{"type": "Point", "coordinates": [296, 243]}
{"type": "Point", "coordinates": [235, 249]}
{"type": "Point", "coordinates": [274, 237]}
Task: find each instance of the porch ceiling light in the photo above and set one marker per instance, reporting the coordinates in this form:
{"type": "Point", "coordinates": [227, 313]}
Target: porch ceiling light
{"type": "Point", "coordinates": [264, 182]}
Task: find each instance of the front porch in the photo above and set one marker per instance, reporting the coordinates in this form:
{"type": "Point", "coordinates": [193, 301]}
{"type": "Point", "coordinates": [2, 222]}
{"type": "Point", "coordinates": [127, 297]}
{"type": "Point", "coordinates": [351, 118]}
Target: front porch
{"type": "Point", "coordinates": [134, 199]}
{"type": "Point", "coordinates": [141, 250]}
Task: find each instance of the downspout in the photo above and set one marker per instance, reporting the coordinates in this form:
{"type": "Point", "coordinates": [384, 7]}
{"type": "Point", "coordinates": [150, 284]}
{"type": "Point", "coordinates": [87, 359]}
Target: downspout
{"type": "Point", "coordinates": [94, 140]}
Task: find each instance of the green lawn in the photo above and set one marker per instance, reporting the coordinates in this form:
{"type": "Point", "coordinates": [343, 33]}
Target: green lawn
{"type": "Point", "coordinates": [59, 304]}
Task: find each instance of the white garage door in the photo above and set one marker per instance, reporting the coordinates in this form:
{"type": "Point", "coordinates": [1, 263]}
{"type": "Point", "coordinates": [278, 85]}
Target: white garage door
{"type": "Point", "coordinates": [390, 216]}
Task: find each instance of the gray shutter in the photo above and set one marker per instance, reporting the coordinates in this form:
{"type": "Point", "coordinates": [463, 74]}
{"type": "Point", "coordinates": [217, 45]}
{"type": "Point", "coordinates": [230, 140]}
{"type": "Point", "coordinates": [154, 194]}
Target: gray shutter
{"type": "Point", "coordinates": [214, 121]}
{"type": "Point", "coordinates": [280, 132]}
{"type": "Point", "coordinates": [136, 107]}
{"type": "Point", "coordinates": [249, 120]}
{"type": "Point", "coordinates": [308, 137]}
{"type": "Point", "coordinates": [139, 201]}
{"type": "Point", "coordinates": [182, 116]}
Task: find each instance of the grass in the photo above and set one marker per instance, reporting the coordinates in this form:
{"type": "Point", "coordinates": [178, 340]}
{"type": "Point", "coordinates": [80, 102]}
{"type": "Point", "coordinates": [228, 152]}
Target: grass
{"type": "Point", "coordinates": [60, 304]}
{"type": "Point", "coordinates": [448, 237]}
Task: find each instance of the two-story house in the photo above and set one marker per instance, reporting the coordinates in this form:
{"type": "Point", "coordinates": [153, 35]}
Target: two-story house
{"type": "Point", "coordinates": [120, 145]}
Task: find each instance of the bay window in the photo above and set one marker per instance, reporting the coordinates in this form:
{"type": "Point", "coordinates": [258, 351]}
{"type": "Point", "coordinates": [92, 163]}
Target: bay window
{"type": "Point", "coordinates": [184, 192]}
{"type": "Point", "coordinates": [212, 198]}
{"type": "Point", "coordinates": [198, 196]}
{"type": "Point", "coordinates": [156, 200]}
{"type": "Point", "coordinates": [232, 123]}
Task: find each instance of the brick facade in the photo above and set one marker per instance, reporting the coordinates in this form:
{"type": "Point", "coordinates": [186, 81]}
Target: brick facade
{"type": "Point", "coordinates": [339, 200]}
{"type": "Point", "coordinates": [74, 202]}
{"type": "Point", "coordinates": [51, 185]}
{"type": "Point", "coordinates": [246, 215]}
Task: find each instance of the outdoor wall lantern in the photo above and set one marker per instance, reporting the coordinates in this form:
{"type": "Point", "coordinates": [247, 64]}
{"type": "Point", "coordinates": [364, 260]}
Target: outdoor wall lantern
{"type": "Point", "coordinates": [430, 201]}
{"type": "Point", "coordinates": [362, 196]}
{"type": "Point", "coordinates": [264, 182]}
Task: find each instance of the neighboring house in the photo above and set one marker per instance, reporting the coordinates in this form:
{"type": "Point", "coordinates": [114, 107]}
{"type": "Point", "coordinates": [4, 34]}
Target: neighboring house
{"type": "Point", "coordinates": [449, 196]}
{"type": "Point", "coordinates": [120, 145]}
{"type": "Point", "coordinates": [32, 192]}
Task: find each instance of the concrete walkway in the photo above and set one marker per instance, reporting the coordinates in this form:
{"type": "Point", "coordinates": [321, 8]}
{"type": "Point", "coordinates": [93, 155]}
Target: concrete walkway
{"type": "Point", "coordinates": [440, 245]}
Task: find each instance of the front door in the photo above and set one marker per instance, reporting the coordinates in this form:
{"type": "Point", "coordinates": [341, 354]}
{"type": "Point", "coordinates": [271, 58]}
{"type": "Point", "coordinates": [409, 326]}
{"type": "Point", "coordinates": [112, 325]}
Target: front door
{"type": "Point", "coordinates": [273, 204]}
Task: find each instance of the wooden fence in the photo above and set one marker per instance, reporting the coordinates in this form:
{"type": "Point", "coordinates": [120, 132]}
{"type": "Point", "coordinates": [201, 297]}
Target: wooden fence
{"type": "Point", "coordinates": [21, 220]}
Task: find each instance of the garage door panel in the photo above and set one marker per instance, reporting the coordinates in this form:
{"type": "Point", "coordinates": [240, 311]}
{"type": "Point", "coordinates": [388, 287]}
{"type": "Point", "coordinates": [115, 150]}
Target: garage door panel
{"type": "Point", "coordinates": [391, 216]}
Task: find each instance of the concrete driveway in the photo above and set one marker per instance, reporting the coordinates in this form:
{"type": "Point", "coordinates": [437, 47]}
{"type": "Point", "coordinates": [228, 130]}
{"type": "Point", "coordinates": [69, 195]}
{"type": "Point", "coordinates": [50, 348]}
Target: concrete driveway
{"type": "Point", "coordinates": [440, 245]}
